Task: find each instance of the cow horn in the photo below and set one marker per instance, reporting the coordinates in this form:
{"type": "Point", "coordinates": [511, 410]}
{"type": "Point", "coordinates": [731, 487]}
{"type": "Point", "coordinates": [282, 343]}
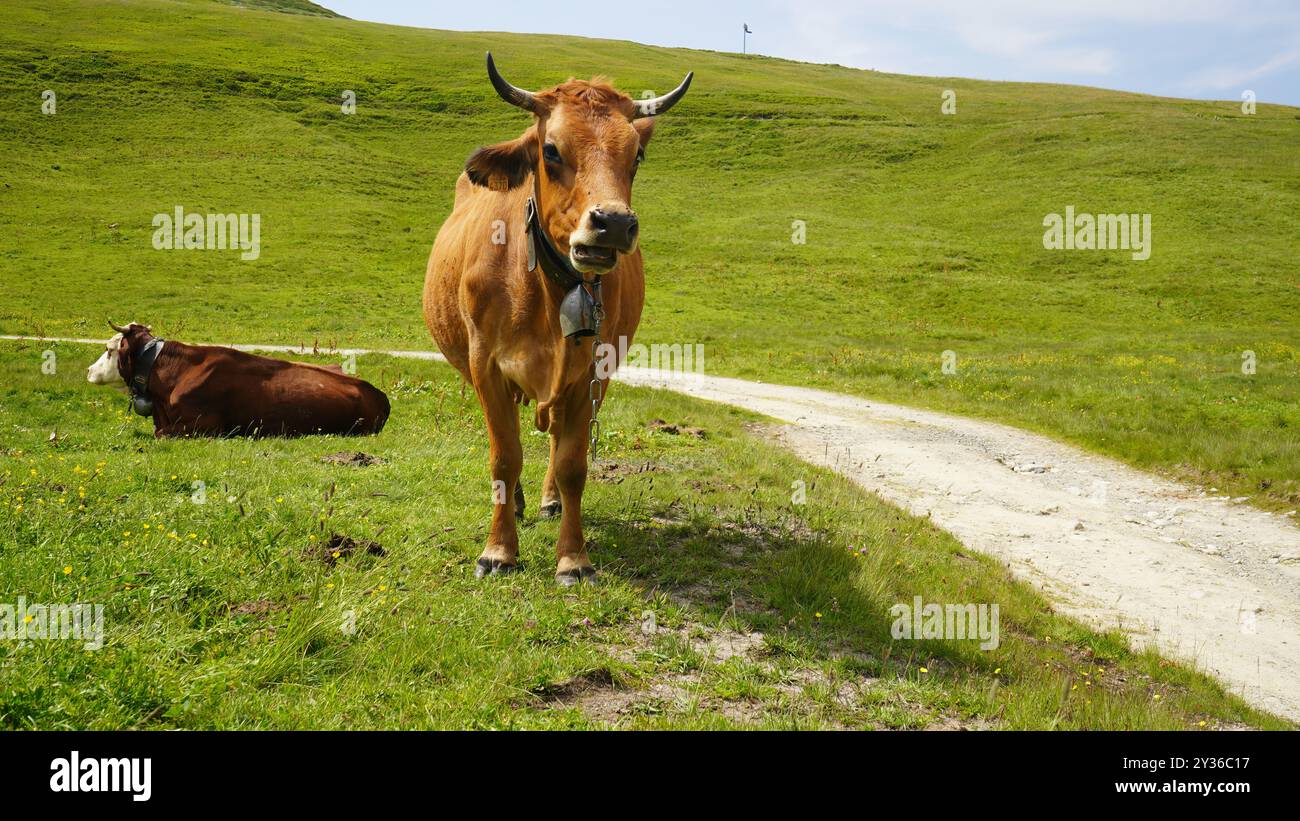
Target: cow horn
{"type": "Point", "coordinates": [649, 108]}
{"type": "Point", "coordinates": [511, 94]}
{"type": "Point", "coordinates": [117, 328]}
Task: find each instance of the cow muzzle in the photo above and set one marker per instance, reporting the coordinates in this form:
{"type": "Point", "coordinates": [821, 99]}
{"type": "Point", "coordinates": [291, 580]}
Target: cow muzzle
{"type": "Point", "coordinates": [605, 232]}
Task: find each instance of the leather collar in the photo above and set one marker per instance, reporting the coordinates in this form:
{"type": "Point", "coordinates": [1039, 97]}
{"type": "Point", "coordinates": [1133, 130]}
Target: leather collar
{"type": "Point", "coordinates": [542, 251]}
{"type": "Point", "coordinates": [141, 368]}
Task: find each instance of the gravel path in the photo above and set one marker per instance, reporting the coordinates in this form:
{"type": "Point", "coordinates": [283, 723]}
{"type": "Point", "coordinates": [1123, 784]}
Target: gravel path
{"type": "Point", "coordinates": [1206, 579]}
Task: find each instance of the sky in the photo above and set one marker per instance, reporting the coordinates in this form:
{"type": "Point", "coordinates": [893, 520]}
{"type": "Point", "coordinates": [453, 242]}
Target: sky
{"type": "Point", "coordinates": [1207, 49]}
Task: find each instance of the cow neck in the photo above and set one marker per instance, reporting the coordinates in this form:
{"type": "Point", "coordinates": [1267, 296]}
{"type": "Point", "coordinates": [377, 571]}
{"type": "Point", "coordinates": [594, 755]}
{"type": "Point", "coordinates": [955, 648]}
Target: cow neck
{"type": "Point", "coordinates": [141, 368]}
{"type": "Point", "coordinates": [580, 306]}
{"type": "Point", "coordinates": [542, 251]}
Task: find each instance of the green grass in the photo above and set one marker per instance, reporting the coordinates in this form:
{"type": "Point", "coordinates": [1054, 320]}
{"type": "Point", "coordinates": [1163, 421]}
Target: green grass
{"type": "Point", "coordinates": [923, 236]}
{"type": "Point", "coordinates": [286, 6]}
{"type": "Point", "coordinates": [923, 230]}
{"type": "Point", "coordinates": [221, 614]}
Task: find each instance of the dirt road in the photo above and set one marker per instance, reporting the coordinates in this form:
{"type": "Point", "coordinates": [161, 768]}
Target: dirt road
{"type": "Point", "coordinates": [1207, 580]}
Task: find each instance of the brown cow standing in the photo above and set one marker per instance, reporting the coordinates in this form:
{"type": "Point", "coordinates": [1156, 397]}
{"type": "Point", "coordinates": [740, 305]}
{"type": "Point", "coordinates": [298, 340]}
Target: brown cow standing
{"type": "Point", "coordinates": [203, 390]}
{"type": "Point", "coordinates": [497, 318]}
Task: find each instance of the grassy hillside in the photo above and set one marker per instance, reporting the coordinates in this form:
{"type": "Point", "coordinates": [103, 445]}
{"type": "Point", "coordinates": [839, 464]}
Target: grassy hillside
{"type": "Point", "coordinates": [722, 603]}
{"type": "Point", "coordinates": [923, 230]}
{"type": "Point", "coordinates": [286, 6]}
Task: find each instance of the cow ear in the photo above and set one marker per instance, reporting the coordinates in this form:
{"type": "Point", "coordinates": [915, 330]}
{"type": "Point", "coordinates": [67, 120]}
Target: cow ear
{"type": "Point", "coordinates": [505, 165]}
{"type": "Point", "coordinates": [645, 129]}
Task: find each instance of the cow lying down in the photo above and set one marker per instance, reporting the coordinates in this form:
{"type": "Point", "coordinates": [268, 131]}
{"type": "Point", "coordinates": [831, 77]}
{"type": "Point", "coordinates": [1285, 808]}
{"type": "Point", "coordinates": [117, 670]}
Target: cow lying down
{"type": "Point", "coordinates": [203, 390]}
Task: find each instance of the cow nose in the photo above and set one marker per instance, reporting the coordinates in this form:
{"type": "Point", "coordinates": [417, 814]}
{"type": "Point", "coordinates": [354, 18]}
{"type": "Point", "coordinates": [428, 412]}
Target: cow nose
{"type": "Point", "coordinates": [614, 229]}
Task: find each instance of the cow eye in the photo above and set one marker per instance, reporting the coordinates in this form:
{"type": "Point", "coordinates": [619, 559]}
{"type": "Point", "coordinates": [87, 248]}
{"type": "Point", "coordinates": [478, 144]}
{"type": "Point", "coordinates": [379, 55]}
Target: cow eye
{"type": "Point", "coordinates": [640, 155]}
{"type": "Point", "coordinates": [552, 154]}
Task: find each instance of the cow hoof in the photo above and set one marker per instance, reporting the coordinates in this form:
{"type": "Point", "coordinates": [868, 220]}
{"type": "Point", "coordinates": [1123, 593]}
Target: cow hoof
{"type": "Point", "coordinates": [550, 509]}
{"type": "Point", "coordinates": [579, 575]}
{"type": "Point", "coordinates": [493, 567]}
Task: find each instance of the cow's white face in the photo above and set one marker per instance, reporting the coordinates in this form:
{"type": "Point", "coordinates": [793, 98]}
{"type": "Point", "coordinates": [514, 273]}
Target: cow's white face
{"type": "Point", "coordinates": [103, 371]}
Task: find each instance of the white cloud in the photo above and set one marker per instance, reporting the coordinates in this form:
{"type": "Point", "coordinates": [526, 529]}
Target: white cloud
{"type": "Point", "coordinates": [937, 37]}
{"type": "Point", "coordinates": [1020, 39]}
{"type": "Point", "coordinates": [1225, 77]}
{"type": "Point", "coordinates": [1042, 48]}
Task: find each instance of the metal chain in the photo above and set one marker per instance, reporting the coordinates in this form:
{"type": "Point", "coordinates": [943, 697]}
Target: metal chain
{"type": "Point", "coordinates": [595, 390]}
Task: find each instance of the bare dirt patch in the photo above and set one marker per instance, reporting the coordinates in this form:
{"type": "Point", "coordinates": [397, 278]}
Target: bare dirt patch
{"type": "Point", "coordinates": [261, 608]}
{"type": "Point", "coordinates": [660, 426]}
{"type": "Point", "coordinates": [600, 699]}
{"type": "Point", "coordinates": [338, 546]}
{"type": "Point", "coordinates": [792, 691]}
{"type": "Point", "coordinates": [352, 458]}
{"type": "Point", "coordinates": [616, 472]}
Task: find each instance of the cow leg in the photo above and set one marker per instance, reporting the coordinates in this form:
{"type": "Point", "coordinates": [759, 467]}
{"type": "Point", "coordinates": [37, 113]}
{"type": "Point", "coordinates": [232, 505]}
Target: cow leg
{"type": "Point", "coordinates": [569, 466]}
{"type": "Point", "coordinates": [551, 504]}
{"type": "Point", "coordinates": [501, 554]}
